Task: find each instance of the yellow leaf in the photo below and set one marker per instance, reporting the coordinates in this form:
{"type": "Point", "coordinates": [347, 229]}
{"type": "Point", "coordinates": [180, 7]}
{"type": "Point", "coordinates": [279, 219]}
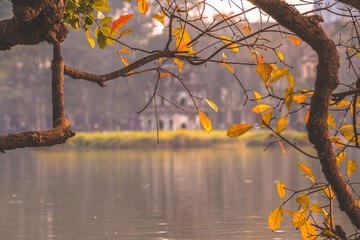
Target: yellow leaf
{"type": "Point", "coordinates": [299, 99]}
{"type": "Point", "coordinates": [160, 17]}
{"type": "Point", "coordinates": [280, 187]}
{"type": "Point", "coordinates": [120, 22]}
{"type": "Point", "coordinates": [127, 31]}
{"type": "Point", "coordinates": [308, 231]}
{"type": "Point", "coordinates": [348, 127]}
{"type": "Point", "coordinates": [274, 67]}
{"type": "Point", "coordinates": [288, 97]}
{"type": "Point", "coordinates": [228, 40]}
{"type": "Point", "coordinates": [212, 104]}
{"type": "Point", "coordinates": [165, 74]}
{"type": "Point", "coordinates": [261, 108]}
{"type": "Point", "coordinates": [340, 157]}
{"type": "Point", "coordinates": [358, 54]}
{"type": "Point", "coordinates": [278, 74]}
{"type": "Point", "coordinates": [289, 212]}
{"type": "Point", "coordinates": [327, 234]}
{"type": "Point", "coordinates": [143, 6]}
{"type": "Point", "coordinates": [205, 121]}
{"type": "Point", "coordinates": [257, 96]}
{"type": "Point", "coordinates": [239, 129]}
{"type": "Point", "coordinates": [316, 208]}
{"type": "Point", "coordinates": [281, 124]}
{"type": "Point", "coordinates": [280, 55]}
{"type": "Point", "coordinates": [228, 66]}
{"type": "Point", "coordinates": [123, 50]}
{"type": "Point", "coordinates": [299, 218]}
{"type": "Point", "coordinates": [179, 63]}
{"type": "Point", "coordinates": [342, 103]}
{"type": "Point", "coordinates": [291, 80]}
{"type": "Point", "coordinates": [160, 59]}
{"type": "Point", "coordinates": [337, 142]}
{"type": "Point", "coordinates": [331, 121]}
{"type": "Point", "coordinates": [264, 70]}
{"type": "Point", "coordinates": [349, 136]}
{"type": "Point", "coordinates": [275, 218]}
{"type": "Point", "coordinates": [247, 30]}
{"type": "Point", "coordinates": [266, 118]}
{"type": "Point", "coordinates": [328, 220]}
{"type": "Point", "coordinates": [182, 40]}
{"type": "Point", "coordinates": [303, 200]}
{"type": "Point", "coordinates": [224, 56]}
{"type": "Point", "coordinates": [351, 167]}
{"type": "Point", "coordinates": [306, 170]}
{"type": "Point", "coordinates": [294, 40]}
{"type": "Point", "coordinates": [90, 39]}
{"type": "Point", "coordinates": [328, 191]}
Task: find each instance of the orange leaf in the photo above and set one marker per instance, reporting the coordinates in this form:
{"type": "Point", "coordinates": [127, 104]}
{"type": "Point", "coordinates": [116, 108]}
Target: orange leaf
{"type": "Point", "coordinates": [124, 50]}
{"type": "Point", "coordinates": [221, 15]}
{"type": "Point", "coordinates": [143, 6]}
{"type": "Point", "coordinates": [239, 129]}
{"type": "Point", "coordinates": [294, 40]}
{"type": "Point", "coordinates": [246, 29]}
{"type": "Point", "coordinates": [124, 61]}
{"type": "Point", "coordinates": [261, 108]}
{"type": "Point", "coordinates": [205, 121]}
{"type": "Point", "coordinates": [260, 59]}
{"type": "Point", "coordinates": [120, 22]}
{"type": "Point", "coordinates": [307, 116]}
{"type": "Point", "coordinates": [165, 74]}
{"type": "Point", "coordinates": [228, 66]}
{"type": "Point", "coordinates": [281, 145]}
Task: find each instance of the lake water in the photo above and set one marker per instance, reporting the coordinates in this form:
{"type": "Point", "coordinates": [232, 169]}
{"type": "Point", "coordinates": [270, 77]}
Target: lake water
{"type": "Point", "coordinates": [133, 195]}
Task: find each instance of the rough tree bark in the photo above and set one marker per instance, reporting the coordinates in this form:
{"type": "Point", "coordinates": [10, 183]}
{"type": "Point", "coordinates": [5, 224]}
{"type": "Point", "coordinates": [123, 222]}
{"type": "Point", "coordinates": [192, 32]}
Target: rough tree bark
{"type": "Point", "coordinates": [309, 29]}
{"type": "Point", "coordinates": [35, 21]}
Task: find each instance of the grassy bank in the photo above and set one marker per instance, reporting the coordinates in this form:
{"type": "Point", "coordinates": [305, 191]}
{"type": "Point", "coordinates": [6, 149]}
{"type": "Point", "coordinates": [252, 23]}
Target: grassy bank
{"type": "Point", "coordinates": [175, 139]}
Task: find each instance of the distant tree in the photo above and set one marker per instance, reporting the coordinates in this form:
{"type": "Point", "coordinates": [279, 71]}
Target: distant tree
{"type": "Point", "coordinates": [36, 21]}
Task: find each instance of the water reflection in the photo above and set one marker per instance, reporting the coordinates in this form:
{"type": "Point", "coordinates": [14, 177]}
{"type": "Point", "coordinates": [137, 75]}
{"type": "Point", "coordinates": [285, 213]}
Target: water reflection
{"type": "Point", "coordinates": [182, 194]}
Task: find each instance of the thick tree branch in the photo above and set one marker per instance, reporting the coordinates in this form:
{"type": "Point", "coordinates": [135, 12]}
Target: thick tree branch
{"type": "Point", "coordinates": [101, 78]}
{"type": "Point", "coordinates": [61, 132]}
{"type": "Point", "coordinates": [309, 29]}
{"type": "Point", "coordinates": [33, 22]}
{"type": "Point", "coordinates": [353, 3]}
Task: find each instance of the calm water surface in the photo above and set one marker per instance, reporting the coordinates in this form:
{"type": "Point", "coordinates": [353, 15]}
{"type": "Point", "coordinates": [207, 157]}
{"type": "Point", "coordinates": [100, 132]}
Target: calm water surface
{"type": "Point", "coordinates": [133, 195]}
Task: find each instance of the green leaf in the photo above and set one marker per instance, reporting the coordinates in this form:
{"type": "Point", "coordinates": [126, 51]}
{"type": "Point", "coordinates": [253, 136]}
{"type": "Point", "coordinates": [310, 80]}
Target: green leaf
{"type": "Point", "coordinates": [239, 129]}
{"type": "Point", "coordinates": [106, 21]}
{"type": "Point", "coordinates": [101, 40]}
{"type": "Point", "coordinates": [275, 218]}
{"type": "Point", "coordinates": [90, 39]}
{"type": "Point", "coordinates": [278, 74]}
{"type": "Point", "coordinates": [351, 167]}
{"type": "Point", "coordinates": [280, 187]}
{"type": "Point", "coordinates": [303, 200]}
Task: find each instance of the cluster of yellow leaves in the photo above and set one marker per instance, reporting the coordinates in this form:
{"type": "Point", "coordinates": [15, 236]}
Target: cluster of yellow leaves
{"type": "Point", "coordinates": [300, 218]}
